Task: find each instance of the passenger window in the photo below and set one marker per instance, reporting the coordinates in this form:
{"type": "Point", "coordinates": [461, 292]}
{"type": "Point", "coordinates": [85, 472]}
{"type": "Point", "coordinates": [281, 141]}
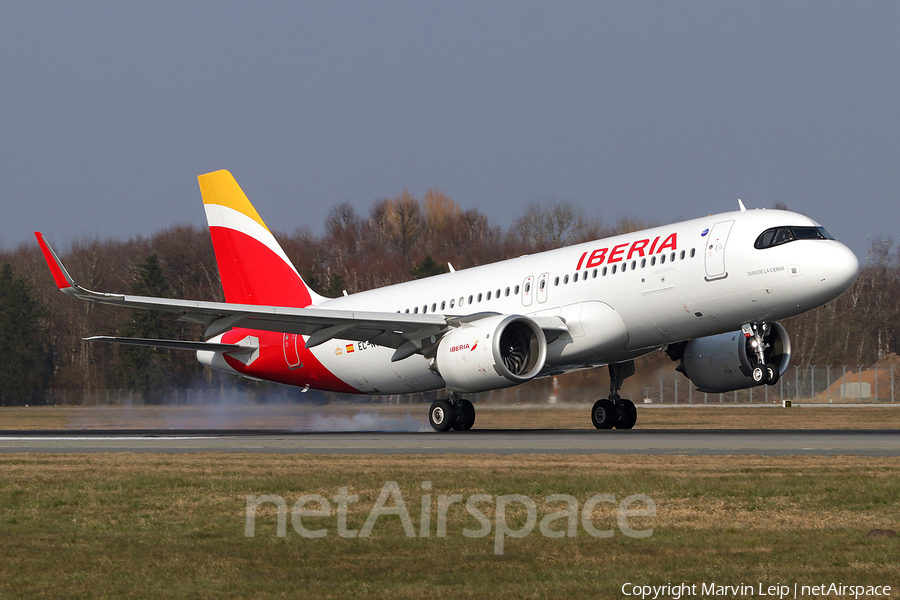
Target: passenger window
{"type": "Point", "coordinates": [584, 276]}
{"type": "Point", "coordinates": [643, 262]}
{"type": "Point", "coordinates": [682, 255]}
{"type": "Point", "coordinates": [604, 271]}
{"type": "Point", "coordinates": [595, 273]}
{"type": "Point", "coordinates": [479, 297]}
{"type": "Point", "coordinates": [693, 252]}
{"type": "Point", "coordinates": [614, 269]}
{"type": "Point", "coordinates": [488, 296]}
{"type": "Point", "coordinates": [672, 258]}
{"type": "Point", "coordinates": [565, 279]}
{"type": "Point", "coordinates": [574, 277]}
{"type": "Point", "coordinates": [662, 259]}
{"type": "Point", "coordinates": [416, 310]}
{"type": "Point", "coordinates": [507, 291]}
{"type": "Point", "coordinates": [470, 299]}
{"type": "Point", "coordinates": [451, 304]}
{"type": "Point", "coordinates": [516, 292]}
{"type": "Point", "coordinates": [633, 265]}
{"type": "Point", "coordinates": [652, 261]}
{"type": "Point", "coordinates": [434, 307]}
{"type": "Point", "coordinates": [443, 304]}
{"type": "Point", "coordinates": [556, 281]}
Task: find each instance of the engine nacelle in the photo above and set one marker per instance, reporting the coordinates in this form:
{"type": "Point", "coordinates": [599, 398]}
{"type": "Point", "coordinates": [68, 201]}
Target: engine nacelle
{"type": "Point", "coordinates": [721, 363]}
{"type": "Point", "coordinates": [491, 353]}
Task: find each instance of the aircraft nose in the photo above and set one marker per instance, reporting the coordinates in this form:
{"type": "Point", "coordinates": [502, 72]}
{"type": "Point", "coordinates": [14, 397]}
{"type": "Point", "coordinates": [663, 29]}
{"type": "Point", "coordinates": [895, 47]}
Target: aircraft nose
{"type": "Point", "coordinates": [837, 267]}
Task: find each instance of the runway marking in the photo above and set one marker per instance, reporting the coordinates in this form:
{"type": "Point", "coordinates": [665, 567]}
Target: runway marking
{"type": "Point", "coordinates": [118, 438]}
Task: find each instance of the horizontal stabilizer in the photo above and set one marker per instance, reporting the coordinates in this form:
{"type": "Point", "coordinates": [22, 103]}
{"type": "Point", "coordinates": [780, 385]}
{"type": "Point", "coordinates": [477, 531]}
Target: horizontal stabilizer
{"type": "Point", "coordinates": [171, 344]}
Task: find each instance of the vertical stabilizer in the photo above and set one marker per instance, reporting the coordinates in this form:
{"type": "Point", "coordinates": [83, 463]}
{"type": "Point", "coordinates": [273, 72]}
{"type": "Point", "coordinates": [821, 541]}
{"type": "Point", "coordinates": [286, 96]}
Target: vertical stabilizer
{"type": "Point", "coordinates": [252, 265]}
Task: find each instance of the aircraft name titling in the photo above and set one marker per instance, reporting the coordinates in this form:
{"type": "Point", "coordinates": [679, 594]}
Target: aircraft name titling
{"type": "Point", "coordinates": [618, 254]}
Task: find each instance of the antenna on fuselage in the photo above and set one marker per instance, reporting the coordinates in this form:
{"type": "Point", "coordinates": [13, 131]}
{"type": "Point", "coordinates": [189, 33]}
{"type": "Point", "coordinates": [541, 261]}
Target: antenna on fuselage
{"type": "Point", "coordinates": [741, 204]}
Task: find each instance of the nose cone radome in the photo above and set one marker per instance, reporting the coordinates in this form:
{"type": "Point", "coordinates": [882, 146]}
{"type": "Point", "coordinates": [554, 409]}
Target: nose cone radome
{"type": "Point", "coordinates": [837, 268]}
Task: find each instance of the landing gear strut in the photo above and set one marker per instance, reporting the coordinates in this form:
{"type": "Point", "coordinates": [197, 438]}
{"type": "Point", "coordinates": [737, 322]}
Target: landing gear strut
{"type": "Point", "coordinates": [615, 411]}
{"type": "Point", "coordinates": [453, 413]}
{"type": "Point", "coordinates": [757, 350]}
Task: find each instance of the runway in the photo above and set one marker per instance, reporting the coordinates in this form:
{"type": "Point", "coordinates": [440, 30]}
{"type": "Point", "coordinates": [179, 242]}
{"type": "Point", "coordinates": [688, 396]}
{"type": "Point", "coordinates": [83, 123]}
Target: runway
{"type": "Point", "coordinates": [879, 442]}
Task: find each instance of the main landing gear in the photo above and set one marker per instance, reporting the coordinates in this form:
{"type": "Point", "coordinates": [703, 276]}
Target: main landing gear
{"type": "Point", "coordinates": [459, 414]}
{"type": "Point", "coordinates": [756, 335]}
{"type": "Point", "coordinates": [615, 411]}
{"type": "Point", "coordinates": [454, 412]}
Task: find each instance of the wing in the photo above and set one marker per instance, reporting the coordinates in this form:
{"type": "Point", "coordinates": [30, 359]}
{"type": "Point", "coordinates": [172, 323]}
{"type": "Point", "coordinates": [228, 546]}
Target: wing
{"type": "Point", "coordinates": [408, 334]}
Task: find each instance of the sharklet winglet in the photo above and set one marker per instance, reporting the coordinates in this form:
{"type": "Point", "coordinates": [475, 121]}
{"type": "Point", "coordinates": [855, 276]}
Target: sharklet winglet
{"type": "Point", "coordinates": [61, 276]}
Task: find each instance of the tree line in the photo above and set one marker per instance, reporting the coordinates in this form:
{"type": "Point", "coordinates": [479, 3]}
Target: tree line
{"type": "Point", "coordinates": [42, 351]}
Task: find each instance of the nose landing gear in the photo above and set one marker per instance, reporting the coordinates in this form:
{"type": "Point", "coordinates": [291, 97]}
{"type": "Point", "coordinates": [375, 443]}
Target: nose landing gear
{"type": "Point", "coordinates": [759, 350]}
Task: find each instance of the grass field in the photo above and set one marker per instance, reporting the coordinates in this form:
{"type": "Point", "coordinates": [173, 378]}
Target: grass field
{"type": "Point", "coordinates": [136, 526]}
{"type": "Point", "coordinates": [173, 526]}
{"type": "Point", "coordinates": [413, 416]}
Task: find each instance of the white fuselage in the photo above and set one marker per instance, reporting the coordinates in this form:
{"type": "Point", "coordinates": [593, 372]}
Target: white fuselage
{"type": "Point", "coordinates": [620, 297]}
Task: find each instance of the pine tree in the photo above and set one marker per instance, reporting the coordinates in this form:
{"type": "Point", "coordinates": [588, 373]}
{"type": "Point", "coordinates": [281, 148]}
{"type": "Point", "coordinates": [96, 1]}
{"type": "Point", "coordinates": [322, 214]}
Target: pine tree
{"type": "Point", "coordinates": [148, 370]}
{"type": "Point", "coordinates": [25, 366]}
{"type": "Point", "coordinates": [427, 267]}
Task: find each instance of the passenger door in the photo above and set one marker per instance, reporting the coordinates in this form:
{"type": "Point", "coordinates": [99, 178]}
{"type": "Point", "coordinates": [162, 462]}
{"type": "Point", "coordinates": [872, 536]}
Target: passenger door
{"type": "Point", "coordinates": [715, 251]}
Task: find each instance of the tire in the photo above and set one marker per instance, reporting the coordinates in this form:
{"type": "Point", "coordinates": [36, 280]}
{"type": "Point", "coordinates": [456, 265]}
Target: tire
{"type": "Point", "coordinates": [468, 416]}
{"type": "Point", "coordinates": [441, 415]}
{"type": "Point", "coordinates": [627, 415]}
{"type": "Point", "coordinates": [773, 373]}
{"type": "Point", "coordinates": [759, 375]}
{"type": "Point", "coordinates": [604, 414]}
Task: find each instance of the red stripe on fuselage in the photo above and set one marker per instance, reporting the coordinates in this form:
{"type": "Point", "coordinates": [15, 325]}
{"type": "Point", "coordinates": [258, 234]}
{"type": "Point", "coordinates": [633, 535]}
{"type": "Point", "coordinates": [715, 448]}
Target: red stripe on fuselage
{"type": "Point", "coordinates": [252, 274]}
{"type": "Point", "coordinates": [272, 366]}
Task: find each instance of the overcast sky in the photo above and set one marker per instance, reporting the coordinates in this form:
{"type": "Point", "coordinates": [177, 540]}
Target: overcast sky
{"type": "Point", "coordinates": [667, 110]}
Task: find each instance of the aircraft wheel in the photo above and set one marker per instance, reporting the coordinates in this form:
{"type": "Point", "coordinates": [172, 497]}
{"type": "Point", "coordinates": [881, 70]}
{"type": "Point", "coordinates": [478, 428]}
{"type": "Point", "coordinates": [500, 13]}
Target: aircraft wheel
{"type": "Point", "coordinates": [604, 414]}
{"type": "Point", "coordinates": [627, 415]}
{"type": "Point", "coordinates": [759, 374]}
{"type": "Point", "coordinates": [441, 415]}
{"type": "Point", "coordinates": [773, 375]}
{"type": "Point", "coordinates": [467, 410]}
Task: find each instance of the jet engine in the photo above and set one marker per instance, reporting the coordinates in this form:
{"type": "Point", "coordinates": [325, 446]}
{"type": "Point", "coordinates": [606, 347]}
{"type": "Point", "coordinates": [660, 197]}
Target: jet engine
{"type": "Point", "coordinates": [490, 353]}
{"type": "Point", "coordinates": [729, 361]}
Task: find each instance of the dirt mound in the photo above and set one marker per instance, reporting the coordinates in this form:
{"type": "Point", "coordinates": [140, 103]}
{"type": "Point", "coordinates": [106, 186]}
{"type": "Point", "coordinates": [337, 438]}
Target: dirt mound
{"type": "Point", "coordinates": [865, 386]}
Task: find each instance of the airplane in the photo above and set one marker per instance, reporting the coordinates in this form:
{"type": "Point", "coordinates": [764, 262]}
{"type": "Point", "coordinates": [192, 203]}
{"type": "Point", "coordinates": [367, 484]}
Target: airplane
{"type": "Point", "coordinates": [709, 292]}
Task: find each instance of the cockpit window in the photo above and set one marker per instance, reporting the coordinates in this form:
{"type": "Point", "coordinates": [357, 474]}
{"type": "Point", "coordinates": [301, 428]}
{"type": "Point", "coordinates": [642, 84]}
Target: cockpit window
{"type": "Point", "coordinates": [782, 235]}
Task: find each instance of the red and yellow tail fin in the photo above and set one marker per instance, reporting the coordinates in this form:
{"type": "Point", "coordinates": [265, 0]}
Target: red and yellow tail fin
{"type": "Point", "coordinates": [253, 267]}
